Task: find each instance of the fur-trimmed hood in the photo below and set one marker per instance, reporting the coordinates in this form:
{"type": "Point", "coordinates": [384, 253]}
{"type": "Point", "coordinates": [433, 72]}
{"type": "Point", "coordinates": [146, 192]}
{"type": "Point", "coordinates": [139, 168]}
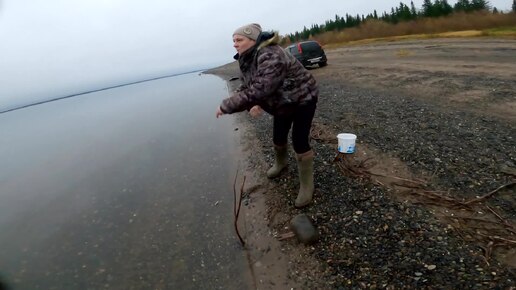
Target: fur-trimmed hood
{"type": "Point", "coordinates": [266, 39]}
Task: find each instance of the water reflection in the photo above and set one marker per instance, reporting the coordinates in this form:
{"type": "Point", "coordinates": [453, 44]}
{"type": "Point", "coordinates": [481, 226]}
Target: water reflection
{"type": "Point", "coordinates": [128, 188]}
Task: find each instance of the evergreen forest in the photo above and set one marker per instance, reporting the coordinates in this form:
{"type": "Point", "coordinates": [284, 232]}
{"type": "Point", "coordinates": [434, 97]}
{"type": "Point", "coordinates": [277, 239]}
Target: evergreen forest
{"type": "Point", "coordinates": [404, 13]}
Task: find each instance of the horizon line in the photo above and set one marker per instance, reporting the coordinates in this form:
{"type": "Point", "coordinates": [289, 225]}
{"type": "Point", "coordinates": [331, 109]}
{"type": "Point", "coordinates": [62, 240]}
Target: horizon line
{"type": "Point", "coordinates": [99, 90]}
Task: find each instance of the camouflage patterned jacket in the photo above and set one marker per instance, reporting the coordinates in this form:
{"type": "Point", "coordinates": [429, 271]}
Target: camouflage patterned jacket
{"type": "Point", "coordinates": [271, 78]}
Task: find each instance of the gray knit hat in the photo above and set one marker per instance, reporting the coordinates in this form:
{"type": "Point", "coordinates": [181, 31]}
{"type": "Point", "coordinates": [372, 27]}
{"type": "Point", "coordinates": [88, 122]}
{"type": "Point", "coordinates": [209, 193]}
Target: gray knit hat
{"type": "Point", "coordinates": [250, 31]}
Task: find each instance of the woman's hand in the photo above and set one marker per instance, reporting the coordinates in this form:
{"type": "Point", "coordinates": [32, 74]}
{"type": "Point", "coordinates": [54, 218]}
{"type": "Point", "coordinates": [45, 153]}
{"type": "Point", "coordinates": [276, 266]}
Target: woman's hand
{"type": "Point", "coordinates": [219, 112]}
{"type": "Point", "coordinates": [256, 111]}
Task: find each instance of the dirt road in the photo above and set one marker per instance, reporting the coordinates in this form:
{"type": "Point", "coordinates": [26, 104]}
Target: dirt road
{"type": "Point", "coordinates": [428, 199]}
{"type": "Point", "coordinates": [471, 74]}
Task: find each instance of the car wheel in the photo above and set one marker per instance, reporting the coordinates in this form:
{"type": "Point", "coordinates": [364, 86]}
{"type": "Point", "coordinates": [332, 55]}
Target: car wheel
{"type": "Point", "coordinates": [321, 64]}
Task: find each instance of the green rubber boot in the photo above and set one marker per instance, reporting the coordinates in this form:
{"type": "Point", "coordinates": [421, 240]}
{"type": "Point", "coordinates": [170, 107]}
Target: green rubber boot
{"type": "Point", "coordinates": [305, 166]}
{"type": "Point", "coordinates": [280, 163]}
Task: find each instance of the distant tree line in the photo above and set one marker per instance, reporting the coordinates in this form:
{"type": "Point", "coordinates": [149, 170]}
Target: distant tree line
{"type": "Point", "coordinates": [400, 13]}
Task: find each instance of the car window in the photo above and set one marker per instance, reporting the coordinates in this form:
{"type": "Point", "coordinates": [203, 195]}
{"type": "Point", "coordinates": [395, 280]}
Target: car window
{"type": "Point", "coordinates": [310, 46]}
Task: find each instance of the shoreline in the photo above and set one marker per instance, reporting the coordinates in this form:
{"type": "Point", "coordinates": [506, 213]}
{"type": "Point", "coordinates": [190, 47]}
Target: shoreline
{"type": "Point", "coordinates": [378, 232]}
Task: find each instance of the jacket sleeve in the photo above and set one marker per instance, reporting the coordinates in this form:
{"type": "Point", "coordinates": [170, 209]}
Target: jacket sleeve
{"type": "Point", "coordinates": [269, 76]}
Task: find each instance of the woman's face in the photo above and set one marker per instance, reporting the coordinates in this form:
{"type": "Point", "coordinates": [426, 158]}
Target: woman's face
{"type": "Point", "coordinates": [242, 43]}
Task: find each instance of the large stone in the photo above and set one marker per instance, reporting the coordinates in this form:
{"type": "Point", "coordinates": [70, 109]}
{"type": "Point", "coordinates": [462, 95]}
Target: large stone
{"type": "Point", "coordinates": [304, 230]}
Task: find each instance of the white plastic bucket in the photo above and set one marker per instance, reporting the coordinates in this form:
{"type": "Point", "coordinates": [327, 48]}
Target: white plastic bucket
{"type": "Point", "coordinates": [346, 142]}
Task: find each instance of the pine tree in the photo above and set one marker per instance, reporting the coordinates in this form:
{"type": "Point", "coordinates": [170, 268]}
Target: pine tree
{"type": "Point", "coordinates": [342, 23]}
{"type": "Point", "coordinates": [480, 5]}
{"type": "Point", "coordinates": [385, 17]}
{"type": "Point", "coordinates": [350, 22]}
{"type": "Point", "coordinates": [428, 8]}
{"type": "Point", "coordinates": [462, 5]}
{"type": "Point", "coordinates": [403, 12]}
{"type": "Point", "coordinates": [514, 6]}
{"type": "Point", "coordinates": [413, 10]}
{"type": "Point", "coordinates": [446, 8]}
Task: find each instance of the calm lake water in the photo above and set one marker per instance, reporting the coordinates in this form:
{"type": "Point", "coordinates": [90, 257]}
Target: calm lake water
{"type": "Point", "coordinates": [127, 188]}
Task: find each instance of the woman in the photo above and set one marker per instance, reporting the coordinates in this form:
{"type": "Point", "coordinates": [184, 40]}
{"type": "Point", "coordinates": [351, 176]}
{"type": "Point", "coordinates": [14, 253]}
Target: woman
{"type": "Point", "coordinates": [273, 80]}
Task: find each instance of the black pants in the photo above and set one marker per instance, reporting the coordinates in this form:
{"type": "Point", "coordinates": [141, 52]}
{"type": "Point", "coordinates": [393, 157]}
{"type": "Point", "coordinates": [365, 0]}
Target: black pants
{"type": "Point", "coordinates": [301, 122]}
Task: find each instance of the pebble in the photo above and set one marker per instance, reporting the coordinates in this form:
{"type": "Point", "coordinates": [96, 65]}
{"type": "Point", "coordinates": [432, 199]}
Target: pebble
{"type": "Point", "coordinates": [304, 230]}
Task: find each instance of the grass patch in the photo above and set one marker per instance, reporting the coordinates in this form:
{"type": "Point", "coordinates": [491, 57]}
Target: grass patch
{"type": "Point", "coordinates": [465, 33]}
{"type": "Point", "coordinates": [501, 32]}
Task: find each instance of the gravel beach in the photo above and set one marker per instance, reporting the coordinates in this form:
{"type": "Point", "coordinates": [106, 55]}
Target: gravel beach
{"type": "Point", "coordinates": [428, 200]}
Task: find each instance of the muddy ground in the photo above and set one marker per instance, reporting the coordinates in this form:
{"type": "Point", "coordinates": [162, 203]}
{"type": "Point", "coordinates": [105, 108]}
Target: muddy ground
{"type": "Point", "coordinates": [428, 199]}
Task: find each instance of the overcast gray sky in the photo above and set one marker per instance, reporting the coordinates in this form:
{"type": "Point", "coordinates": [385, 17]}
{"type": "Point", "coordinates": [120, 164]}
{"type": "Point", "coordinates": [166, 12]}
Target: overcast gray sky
{"type": "Point", "coordinates": [56, 47]}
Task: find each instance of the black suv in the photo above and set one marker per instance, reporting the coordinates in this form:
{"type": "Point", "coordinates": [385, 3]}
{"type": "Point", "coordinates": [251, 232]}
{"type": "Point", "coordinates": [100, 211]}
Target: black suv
{"type": "Point", "coordinates": [308, 53]}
